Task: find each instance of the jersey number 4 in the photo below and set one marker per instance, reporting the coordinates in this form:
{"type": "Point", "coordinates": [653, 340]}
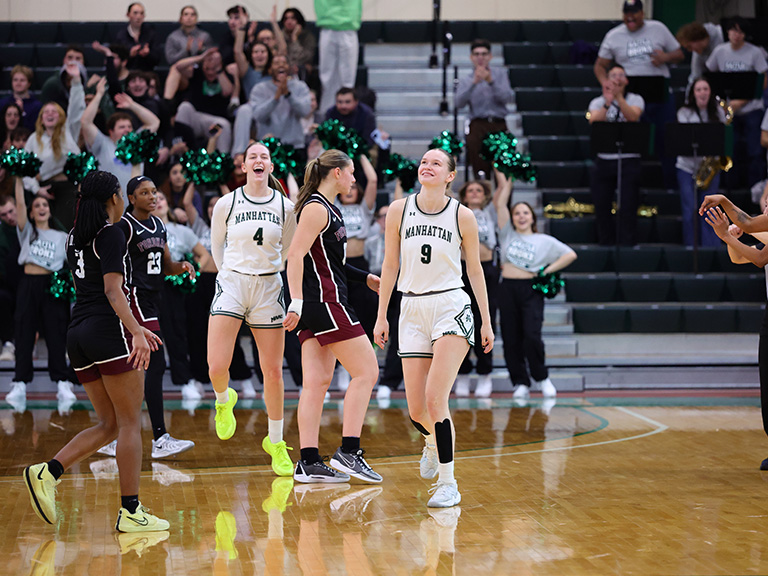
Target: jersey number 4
{"type": "Point", "coordinates": [259, 236]}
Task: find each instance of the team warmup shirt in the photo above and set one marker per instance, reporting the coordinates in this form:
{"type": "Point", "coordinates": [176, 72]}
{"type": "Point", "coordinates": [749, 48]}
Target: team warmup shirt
{"type": "Point", "coordinates": [358, 219]}
{"type": "Point", "coordinates": [105, 254]}
{"type": "Point", "coordinates": [430, 249]}
{"type": "Point", "coordinates": [324, 277]}
{"type": "Point", "coordinates": [250, 235]}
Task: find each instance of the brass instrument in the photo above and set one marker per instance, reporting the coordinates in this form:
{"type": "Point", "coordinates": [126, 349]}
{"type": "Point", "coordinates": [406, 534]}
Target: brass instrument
{"type": "Point", "coordinates": [573, 209]}
{"type": "Point", "coordinates": [711, 165]}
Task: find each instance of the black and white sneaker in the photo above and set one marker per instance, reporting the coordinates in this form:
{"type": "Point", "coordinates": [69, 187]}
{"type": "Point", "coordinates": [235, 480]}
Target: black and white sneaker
{"type": "Point", "coordinates": [317, 472]}
{"type": "Point", "coordinates": [355, 465]}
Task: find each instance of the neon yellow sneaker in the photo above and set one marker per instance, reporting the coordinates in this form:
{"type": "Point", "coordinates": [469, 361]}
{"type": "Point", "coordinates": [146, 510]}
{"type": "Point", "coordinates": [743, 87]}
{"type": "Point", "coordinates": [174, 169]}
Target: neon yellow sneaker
{"type": "Point", "coordinates": [139, 542]}
{"type": "Point", "coordinates": [42, 491]}
{"type": "Point", "coordinates": [281, 462]}
{"type": "Point", "coordinates": [139, 521]}
{"type": "Point", "coordinates": [225, 417]}
{"type": "Point", "coordinates": [226, 530]}
{"type": "Point", "coordinates": [278, 498]}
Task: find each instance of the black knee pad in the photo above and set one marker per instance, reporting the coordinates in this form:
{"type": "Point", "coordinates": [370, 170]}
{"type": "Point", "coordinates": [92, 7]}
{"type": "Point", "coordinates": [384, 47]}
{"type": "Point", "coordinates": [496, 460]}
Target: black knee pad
{"type": "Point", "coordinates": [444, 441]}
{"type": "Point", "coordinates": [419, 427]}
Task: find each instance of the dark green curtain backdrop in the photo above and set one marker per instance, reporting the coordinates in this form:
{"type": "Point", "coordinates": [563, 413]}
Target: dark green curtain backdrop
{"type": "Point", "coordinates": [674, 13]}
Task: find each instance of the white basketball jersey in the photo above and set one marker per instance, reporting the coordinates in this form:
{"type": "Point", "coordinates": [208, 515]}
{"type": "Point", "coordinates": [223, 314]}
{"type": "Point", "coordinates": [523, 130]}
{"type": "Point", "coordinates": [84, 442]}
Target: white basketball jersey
{"type": "Point", "coordinates": [255, 232]}
{"type": "Point", "coordinates": [430, 249]}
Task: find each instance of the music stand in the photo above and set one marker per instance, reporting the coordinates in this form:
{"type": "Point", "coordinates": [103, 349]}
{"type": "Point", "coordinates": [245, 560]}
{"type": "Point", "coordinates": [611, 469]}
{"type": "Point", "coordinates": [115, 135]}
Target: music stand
{"type": "Point", "coordinates": [619, 138]}
{"type": "Point", "coordinates": [696, 140]}
{"type": "Point", "coordinates": [736, 85]}
{"type": "Point", "coordinates": [653, 89]}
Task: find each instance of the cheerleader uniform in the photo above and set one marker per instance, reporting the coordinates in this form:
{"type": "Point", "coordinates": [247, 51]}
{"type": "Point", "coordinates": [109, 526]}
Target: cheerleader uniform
{"type": "Point", "coordinates": [521, 307]}
{"type": "Point", "coordinates": [173, 316]}
{"type": "Point", "coordinates": [357, 221]}
{"type": "Point", "coordinates": [486, 230]}
{"type": "Point", "coordinates": [97, 341]}
{"type": "Point", "coordinates": [326, 313]}
{"type": "Point", "coordinates": [36, 308]}
{"type": "Point", "coordinates": [434, 305]}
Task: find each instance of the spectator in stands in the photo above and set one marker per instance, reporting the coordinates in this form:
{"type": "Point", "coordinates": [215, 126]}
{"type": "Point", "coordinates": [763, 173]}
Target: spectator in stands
{"type": "Point", "coordinates": [11, 118]}
{"type": "Point", "coordinates": [188, 40]}
{"type": "Point", "coordinates": [353, 114]}
{"type": "Point", "coordinates": [614, 105]}
{"type": "Point", "coordinates": [301, 44]}
{"type": "Point", "coordinates": [118, 125]}
{"type": "Point", "coordinates": [57, 87]}
{"type": "Point", "coordinates": [175, 189]}
{"type": "Point", "coordinates": [21, 81]}
{"type": "Point", "coordinates": [644, 48]}
{"type": "Point", "coordinates": [137, 87]}
{"type": "Point", "coordinates": [738, 55]}
{"type": "Point", "coordinates": [524, 252]}
{"type": "Point", "coordinates": [251, 71]}
{"type": "Point", "coordinates": [206, 97]}
{"type": "Point", "coordinates": [272, 36]}
{"type": "Point", "coordinates": [10, 273]}
{"type": "Point", "coordinates": [338, 46]}
{"type": "Point", "coordinates": [237, 19]}
{"type": "Point", "coordinates": [309, 123]}
{"type": "Point", "coordinates": [487, 92]}
{"type": "Point", "coordinates": [279, 106]}
{"type": "Point", "coordinates": [478, 197]}
{"type": "Point", "coordinates": [699, 39]}
{"type": "Point", "coordinates": [43, 252]}
{"type": "Point", "coordinates": [140, 39]}
{"type": "Point", "coordinates": [173, 317]}
{"type": "Point", "coordinates": [700, 107]}
{"type": "Point", "coordinates": [56, 135]}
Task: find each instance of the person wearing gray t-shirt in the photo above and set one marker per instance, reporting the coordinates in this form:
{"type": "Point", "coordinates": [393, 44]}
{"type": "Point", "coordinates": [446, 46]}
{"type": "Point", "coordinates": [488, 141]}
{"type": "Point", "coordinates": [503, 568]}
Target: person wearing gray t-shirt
{"type": "Point", "coordinates": [525, 253]}
{"type": "Point", "coordinates": [644, 48]}
{"type": "Point", "coordinates": [738, 55]}
{"type": "Point", "coordinates": [700, 40]}
{"type": "Point", "coordinates": [616, 106]}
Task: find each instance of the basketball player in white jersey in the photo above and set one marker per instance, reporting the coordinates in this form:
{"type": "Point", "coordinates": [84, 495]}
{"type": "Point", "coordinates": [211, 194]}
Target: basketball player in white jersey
{"type": "Point", "coordinates": [425, 235]}
{"type": "Point", "coordinates": [251, 229]}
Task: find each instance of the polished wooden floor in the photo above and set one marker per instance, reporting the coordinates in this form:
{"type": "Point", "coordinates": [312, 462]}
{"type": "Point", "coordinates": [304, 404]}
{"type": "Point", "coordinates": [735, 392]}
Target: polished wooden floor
{"type": "Point", "coordinates": [621, 485]}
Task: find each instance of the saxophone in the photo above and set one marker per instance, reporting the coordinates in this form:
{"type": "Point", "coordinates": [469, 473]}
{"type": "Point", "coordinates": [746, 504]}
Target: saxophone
{"type": "Point", "coordinates": [711, 165]}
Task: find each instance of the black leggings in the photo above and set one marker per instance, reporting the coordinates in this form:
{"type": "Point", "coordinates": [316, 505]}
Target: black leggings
{"type": "Point", "coordinates": [522, 314]}
{"type": "Point", "coordinates": [173, 323]}
{"type": "Point", "coordinates": [38, 311]}
{"type": "Point", "coordinates": [484, 361]}
{"type": "Point", "coordinates": [762, 361]}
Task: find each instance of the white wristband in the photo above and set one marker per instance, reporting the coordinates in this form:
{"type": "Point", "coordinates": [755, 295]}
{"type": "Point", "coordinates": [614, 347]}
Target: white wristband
{"type": "Point", "coordinates": [295, 306]}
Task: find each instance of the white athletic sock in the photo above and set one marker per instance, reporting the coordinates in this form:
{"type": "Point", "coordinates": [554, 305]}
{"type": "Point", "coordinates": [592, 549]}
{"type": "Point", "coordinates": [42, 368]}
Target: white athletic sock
{"type": "Point", "coordinates": [430, 441]}
{"type": "Point", "coordinates": [445, 472]}
{"type": "Point", "coordinates": [222, 397]}
{"type": "Point", "coordinates": [275, 430]}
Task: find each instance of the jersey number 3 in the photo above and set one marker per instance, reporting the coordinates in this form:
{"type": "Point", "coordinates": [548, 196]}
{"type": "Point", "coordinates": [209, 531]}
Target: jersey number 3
{"type": "Point", "coordinates": [259, 236]}
{"type": "Point", "coordinates": [426, 253]}
{"type": "Point", "coordinates": [80, 270]}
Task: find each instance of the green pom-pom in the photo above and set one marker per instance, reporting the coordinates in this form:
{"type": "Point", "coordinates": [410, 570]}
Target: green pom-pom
{"type": "Point", "coordinates": [19, 162]}
{"type": "Point", "coordinates": [137, 147]}
{"type": "Point", "coordinates": [447, 141]}
{"type": "Point", "coordinates": [186, 282]}
{"type": "Point", "coordinates": [62, 286]}
{"type": "Point", "coordinates": [334, 135]}
{"type": "Point", "coordinates": [402, 168]}
{"type": "Point", "coordinates": [498, 144]}
{"type": "Point", "coordinates": [548, 284]}
{"type": "Point", "coordinates": [78, 166]}
{"type": "Point", "coordinates": [516, 166]}
{"type": "Point", "coordinates": [501, 149]}
{"type": "Point", "coordinates": [283, 158]}
{"type": "Point", "coordinates": [203, 168]}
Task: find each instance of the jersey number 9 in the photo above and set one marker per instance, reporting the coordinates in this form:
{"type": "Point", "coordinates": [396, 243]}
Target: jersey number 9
{"type": "Point", "coordinates": [426, 253]}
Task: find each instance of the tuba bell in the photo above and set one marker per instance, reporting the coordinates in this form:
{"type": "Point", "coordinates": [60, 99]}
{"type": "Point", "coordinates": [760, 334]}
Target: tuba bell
{"type": "Point", "coordinates": [711, 165]}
